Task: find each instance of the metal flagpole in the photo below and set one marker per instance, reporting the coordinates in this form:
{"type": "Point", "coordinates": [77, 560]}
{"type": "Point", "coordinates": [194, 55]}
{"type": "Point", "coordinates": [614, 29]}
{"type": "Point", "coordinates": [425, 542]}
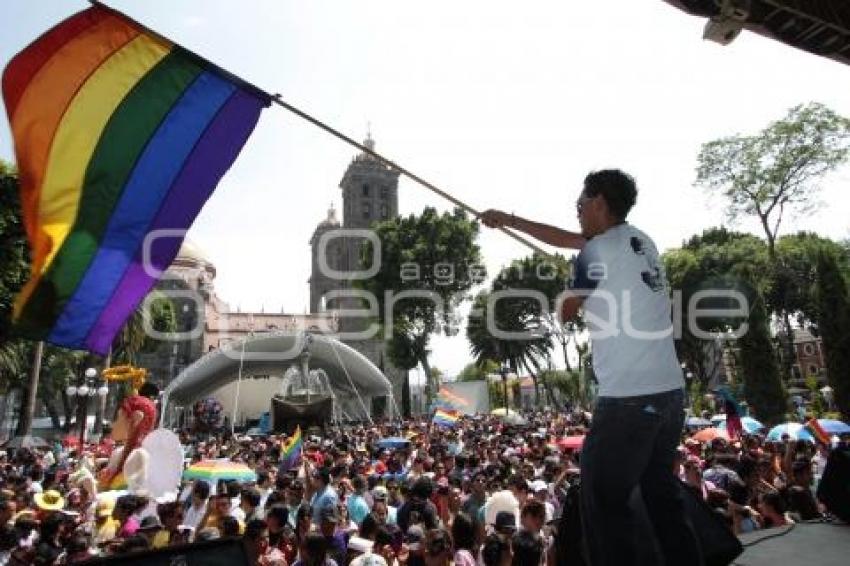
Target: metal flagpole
{"type": "Point", "coordinates": [277, 99]}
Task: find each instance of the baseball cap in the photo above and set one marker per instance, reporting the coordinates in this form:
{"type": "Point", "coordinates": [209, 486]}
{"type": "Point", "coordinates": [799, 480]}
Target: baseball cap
{"type": "Point", "coordinates": [538, 485]}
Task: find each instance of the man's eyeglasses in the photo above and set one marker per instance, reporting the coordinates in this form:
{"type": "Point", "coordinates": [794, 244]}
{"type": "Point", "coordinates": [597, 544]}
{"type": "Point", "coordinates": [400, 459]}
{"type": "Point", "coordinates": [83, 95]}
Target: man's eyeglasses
{"type": "Point", "coordinates": [580, 203]}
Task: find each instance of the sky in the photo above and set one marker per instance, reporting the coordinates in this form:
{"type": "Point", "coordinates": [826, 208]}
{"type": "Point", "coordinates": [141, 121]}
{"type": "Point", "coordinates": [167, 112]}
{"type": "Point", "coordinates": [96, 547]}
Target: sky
{"type": "Point", "coordinates": [503, 108]}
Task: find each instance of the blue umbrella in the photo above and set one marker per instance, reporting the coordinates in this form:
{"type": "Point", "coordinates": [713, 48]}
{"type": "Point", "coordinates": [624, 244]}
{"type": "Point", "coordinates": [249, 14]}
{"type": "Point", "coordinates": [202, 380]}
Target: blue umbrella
{"type": "Point", "coordinates": [751, 426]}
{"type": "Point", "coordinates": [393, 442]}
{"type": "Point", "coordinates": [793, 430]}
{"type": "Point", "coordinates": [697, 422]}
{"type": "Point", "coordinates": [834, 427]}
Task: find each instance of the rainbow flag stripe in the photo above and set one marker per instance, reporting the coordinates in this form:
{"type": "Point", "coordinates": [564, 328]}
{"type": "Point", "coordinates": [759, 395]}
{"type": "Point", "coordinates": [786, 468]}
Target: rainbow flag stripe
{"type": "Point", "coordinates": [214, 470]}
{"type": "Point", "coordinates": [446, 417]}
{"type": "Point", "coordinates": [817, 431]}
{"type": "Point", "coordinates": [290, 456]}
{"type": "Point", "coordinates": [120, 136]}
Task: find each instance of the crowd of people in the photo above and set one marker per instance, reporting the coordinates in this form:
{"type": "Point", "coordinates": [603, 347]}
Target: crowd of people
{"type": "Point", "coordinates": [481, 492]}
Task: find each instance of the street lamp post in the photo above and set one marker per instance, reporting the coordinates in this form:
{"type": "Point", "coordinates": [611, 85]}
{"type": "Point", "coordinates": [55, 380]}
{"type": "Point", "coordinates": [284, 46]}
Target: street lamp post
{"type": "Point", "coordinates": [88, 387]}
{"type": "Point", "coordinates": [503, 371]}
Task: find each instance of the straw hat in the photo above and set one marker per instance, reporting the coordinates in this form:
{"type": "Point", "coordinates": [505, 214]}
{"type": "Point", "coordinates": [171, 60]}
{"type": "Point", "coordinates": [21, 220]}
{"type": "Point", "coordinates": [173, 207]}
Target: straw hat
{"type": "Point", "coordinates": [50, 500]}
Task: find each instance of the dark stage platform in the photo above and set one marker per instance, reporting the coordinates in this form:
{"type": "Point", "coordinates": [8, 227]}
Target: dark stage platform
{"type": "Point", "coordinates": [804, 544]}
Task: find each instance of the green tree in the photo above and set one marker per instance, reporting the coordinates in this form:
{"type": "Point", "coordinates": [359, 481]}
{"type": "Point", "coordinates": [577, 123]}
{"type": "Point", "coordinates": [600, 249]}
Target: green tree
{"type": "Point", "coordinates": [795, 280]}
{"type": "Point", "coordinates": [531, 287]}
{"type": "Point", "coordinates": [511, 334]}
{"type": "Point", "coordinates": [763, 388]}
{"type": "Point", "coordinates": [432, 253]}
{"type": "Point", "coordinates": [14, 252]}
{"type": "Point", "coordinates": [569, 383]}
{"type": "Point", "coordinates": [133, 338]}
{"type": "Point", "coordinates": [773, 173]}
{"type": "Point", "coordinates": [717, 259]}
{"type": "Point", "coordinates": [478, 372]}
{"type": "Point", "coordinates": [833, 305]}
{"type": "Point", "coordinates": [817, 406]}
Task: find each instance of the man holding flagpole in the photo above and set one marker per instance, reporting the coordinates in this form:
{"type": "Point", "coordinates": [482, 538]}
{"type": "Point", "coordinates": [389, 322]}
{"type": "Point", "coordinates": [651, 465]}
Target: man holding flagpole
{"type": "Point", "coordinates": [620, 285]}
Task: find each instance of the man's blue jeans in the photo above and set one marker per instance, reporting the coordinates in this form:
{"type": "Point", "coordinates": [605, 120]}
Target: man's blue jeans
{"type": "Point", "coordinates": [632, 442]}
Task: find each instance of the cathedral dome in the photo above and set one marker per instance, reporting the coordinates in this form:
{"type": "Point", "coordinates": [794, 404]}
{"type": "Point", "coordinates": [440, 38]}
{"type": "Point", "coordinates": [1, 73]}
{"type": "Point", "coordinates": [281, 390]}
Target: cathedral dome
{"type": "Point", "coordinates": [191, 252]}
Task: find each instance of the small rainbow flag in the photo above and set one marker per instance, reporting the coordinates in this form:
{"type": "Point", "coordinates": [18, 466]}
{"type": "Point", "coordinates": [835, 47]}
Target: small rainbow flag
{"type": "Point", "coordinates": [121, 136]}
{"type": "Point", "coordinates": [446, 417]}
{"type": "Point", "coordinates": [290, 455]}
{"type": "Point", "coordinates": [817, 431]}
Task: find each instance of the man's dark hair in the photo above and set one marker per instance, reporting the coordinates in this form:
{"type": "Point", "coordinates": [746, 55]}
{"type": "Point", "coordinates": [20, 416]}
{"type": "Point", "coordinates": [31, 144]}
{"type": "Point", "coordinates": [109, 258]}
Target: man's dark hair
{"type": "Point", "coordinates": [383, 537]}
{"type": "Point", "coordinates": [254, 528]}
{"type": "Point", "coordinates": [518, 482]}
{"type": "Point", "coordinates": [527, 548]}
{"type": "Point", "coordinates": [422, 488]}
{"type": "Point", "coordinates": [324, 474]}
{"type": "Point", "coordinates": [316, 546]}
{"type": "Point", "coordinates": [279, 513]}
{"type": "Point", "coordinates": [463, 532]}
{"type": "Point", "coordinates": [492, 550]}
{"type": "Point", "coordinates": [234, 489]}
{"type": "Point", "coordinates": [252, 496]}
{"type": "Point", "coordinates": [533, 508]}
{"type": "Point", "coordinates": [262, 477]}
{"type": "Point", "coordinates": [617, 188]}
{"type": "Point", "coordinates": [201, 489]}
{"type": "Point", "coordinates": [229, 526]}
{"type": "Point", "coordinates": [368, 527]}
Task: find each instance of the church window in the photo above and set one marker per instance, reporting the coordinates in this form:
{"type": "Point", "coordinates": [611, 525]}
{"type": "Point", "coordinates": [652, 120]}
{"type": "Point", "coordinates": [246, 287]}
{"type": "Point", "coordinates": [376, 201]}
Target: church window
{"type": "Point", "coordinates": [385, 211]}
{"type": "Point", "coordinates": [385, 193]}
{"type": "Point", "coordinates": [367, 210]}
{"type": "Point", "coordinates": [365, 190]}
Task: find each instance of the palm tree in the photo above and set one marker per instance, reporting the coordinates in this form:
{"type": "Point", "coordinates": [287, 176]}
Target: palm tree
{"type": "Point", "coordinates": [510, 316]}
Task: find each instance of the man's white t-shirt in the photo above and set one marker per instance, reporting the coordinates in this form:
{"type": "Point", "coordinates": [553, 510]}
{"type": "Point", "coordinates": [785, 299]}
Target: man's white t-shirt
{"type": "Point", "coordinates": [628, 313]}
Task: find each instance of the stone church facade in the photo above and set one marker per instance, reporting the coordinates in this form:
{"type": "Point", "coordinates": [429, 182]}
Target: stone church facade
{"type": "Point", "coordinates": [369, 195]}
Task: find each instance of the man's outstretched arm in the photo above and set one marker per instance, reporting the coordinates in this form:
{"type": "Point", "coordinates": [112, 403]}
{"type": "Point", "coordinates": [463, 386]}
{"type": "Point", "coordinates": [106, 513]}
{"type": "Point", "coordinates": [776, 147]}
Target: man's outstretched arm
{"type": "Point", "coordinates": [551, 235]}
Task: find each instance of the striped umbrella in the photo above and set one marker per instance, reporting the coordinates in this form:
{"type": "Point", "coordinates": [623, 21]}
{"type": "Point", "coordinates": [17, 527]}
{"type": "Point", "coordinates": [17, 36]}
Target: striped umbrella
{"type": "Point", "coordinates": [214, 470]}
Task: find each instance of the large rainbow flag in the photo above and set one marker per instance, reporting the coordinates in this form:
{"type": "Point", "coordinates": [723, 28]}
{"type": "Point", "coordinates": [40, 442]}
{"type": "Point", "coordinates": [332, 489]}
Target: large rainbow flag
{"type": "Point", "coordinates": [120, 135]}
